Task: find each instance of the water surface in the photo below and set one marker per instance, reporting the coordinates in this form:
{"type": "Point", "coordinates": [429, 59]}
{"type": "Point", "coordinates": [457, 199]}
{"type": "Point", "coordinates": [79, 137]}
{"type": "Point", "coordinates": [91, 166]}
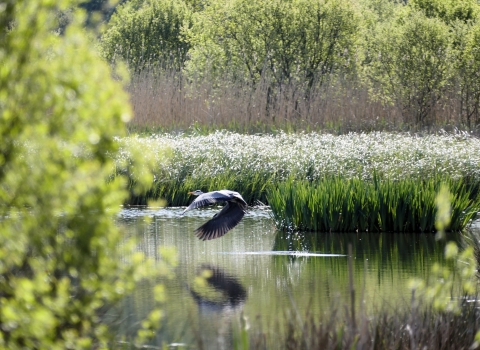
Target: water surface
{"type": "Point", "coordinates": [259, 276]}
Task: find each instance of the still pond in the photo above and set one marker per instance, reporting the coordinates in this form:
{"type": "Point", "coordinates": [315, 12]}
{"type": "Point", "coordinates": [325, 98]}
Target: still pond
{"type": "Point", "coordinates": [258, 277]}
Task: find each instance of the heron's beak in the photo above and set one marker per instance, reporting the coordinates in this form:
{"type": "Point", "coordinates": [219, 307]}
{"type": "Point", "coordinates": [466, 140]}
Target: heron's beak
{"type": "Point", "coordinates": [190, 192]}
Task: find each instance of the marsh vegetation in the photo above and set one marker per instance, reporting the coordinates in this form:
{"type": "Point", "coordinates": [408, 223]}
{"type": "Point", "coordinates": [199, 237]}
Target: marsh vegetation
{"type": "Point", "coordinates": [366, 182]}
{"type": "Point", "coordinates": [71, 155]}
{"type": "Point", "coordinates": [337, 65]}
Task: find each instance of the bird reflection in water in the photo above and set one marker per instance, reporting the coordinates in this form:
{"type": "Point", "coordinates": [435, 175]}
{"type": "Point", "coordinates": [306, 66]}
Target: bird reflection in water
{"type": "Point", "coordinates": [215, 289]}
{"type": "Point", "coordinates": [221, 295]}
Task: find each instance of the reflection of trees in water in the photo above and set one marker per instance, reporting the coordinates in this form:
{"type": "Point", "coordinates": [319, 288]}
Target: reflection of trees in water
{"type": "Point", "coordinates": [377, 247]}
{"type": "Point", "coordinates": [471, 238]}
{"type": "Point", "coordinates": [220, 298]}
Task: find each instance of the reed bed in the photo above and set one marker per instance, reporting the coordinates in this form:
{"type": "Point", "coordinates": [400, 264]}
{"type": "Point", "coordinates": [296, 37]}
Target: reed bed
{"type": "Point", "coordinates": [415, 326]}
{"type": "Point", "coordinates": [168, 101]}
{"type": "Point", "coordinates": [335, 204]}
{"type": "Point", "coordinates": [250, 164]}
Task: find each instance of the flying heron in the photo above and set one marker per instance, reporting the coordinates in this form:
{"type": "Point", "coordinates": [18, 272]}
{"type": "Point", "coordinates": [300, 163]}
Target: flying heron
{"type": "Point", "coordinates": [225, 219]}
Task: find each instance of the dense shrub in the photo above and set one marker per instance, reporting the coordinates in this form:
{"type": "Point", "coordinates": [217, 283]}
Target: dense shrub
{"type": "Point", "coordinates": [300, 41]}
{"type": "Point", "coordinates": [468, 77]}
{"type": "Point", "coordinates": [411, 63]}
{"type": "Point", "coordinates": [447, 10]}
{"type": "Point", "coordinates": [62, 262]}
{"type": "Point", "coordinates": [148, 33]}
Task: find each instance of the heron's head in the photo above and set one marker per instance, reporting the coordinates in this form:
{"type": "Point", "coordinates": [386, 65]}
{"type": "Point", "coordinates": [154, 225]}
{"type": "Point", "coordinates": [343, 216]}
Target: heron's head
{"type": "Point", "coordinates": [196, 193]}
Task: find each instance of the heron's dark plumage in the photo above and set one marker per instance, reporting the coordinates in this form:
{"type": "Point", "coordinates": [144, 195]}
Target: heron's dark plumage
{"type": "Point", "coordinates": [232, 291]}
{"type": "Point", "coordinates": [225, 219]}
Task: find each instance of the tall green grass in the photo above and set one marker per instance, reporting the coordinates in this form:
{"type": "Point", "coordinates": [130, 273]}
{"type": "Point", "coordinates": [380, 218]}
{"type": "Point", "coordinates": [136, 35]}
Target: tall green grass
{"type": "Point", "coordinates": [336, 204]}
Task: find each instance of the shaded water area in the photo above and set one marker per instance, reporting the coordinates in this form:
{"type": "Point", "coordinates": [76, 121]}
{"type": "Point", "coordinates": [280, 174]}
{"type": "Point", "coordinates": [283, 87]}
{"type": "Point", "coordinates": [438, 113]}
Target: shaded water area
{"type": "Point", "coordinates": [260, 277]}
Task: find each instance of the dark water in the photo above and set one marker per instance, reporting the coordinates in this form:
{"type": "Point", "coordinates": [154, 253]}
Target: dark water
{"type": "Point", "coordinates": [258, 276]}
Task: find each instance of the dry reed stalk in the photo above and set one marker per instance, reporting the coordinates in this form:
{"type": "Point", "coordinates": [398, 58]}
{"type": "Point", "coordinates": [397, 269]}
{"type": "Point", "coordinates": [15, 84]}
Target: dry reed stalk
{"type": "Point", "coordinates": [168, 101]}
{"type": "Point", "coordinates": [388, 329]}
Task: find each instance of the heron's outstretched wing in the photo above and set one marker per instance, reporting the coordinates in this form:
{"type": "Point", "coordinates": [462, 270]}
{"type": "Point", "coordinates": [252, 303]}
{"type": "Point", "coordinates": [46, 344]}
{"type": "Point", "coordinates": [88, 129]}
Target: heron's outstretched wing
{"type": "Point", "coordinates": [222, 222]}
{"type": "Point", "coordinates": [207, 199]}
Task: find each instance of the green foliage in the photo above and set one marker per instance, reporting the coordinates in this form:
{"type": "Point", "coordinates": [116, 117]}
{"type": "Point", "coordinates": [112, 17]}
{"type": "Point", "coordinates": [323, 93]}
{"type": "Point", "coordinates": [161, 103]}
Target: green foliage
{"type": "Point", "coordinates": [61, 267]}
{"type": "Point", "coordinates": [416, 56]}
{"type": "Point", "coordinates": [340, 205]}
{"type": "Point", "coordinates": [148, 33]}
{"type": "Point", "coordinates": [447, 10]}
{"type": "Point", "coordinates": [291, 40]}
{"type": "Point", "coordinates": [410, 63]}
{"type": "Point", "coordinates": [468, 68]}
{"type": "Point", "coordinates": [456, 278]}
{"type": "Point", "coordinates": [376, 11]}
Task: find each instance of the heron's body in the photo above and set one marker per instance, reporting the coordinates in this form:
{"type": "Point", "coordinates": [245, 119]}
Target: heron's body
{"type": "Point", "coordinates": [225, 219]}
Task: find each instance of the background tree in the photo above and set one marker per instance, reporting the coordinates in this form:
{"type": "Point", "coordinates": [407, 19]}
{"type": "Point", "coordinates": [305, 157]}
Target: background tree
{"type": "Point", "coordinates": [297, 59]}
{"type": "Point", "coordinates": [300, 42]}
{"type": "Point", "coordinates": [148, 33]}
{"type": "Point", "coordinates": [60, 112]}
{"type": "Point", "coordinates": [468, 77]}
{"type": "Point", "coordinates": [448, 11]}
{"type": "Point", "coordinates": [409, 63]}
